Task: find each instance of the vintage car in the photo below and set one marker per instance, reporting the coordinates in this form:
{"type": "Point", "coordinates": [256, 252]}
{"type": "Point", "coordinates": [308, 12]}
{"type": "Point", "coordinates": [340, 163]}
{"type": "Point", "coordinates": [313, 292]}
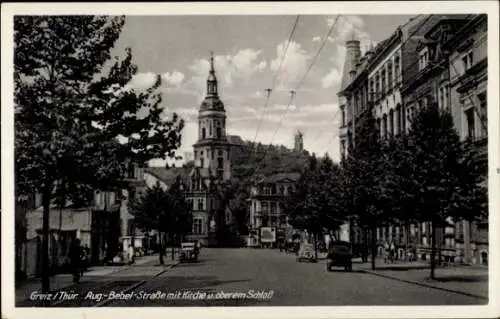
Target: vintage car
{"type": "Point", "coordinates": [339, 255]}
{"type": "Point", "coordinates": [306, 252]}
{"type": "Point", "coordinates": [189, 252]}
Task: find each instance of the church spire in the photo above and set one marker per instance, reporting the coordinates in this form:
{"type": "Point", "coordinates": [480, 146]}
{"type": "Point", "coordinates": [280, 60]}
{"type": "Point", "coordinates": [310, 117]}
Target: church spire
{"type": "Point", "coordinates": [212, 79]}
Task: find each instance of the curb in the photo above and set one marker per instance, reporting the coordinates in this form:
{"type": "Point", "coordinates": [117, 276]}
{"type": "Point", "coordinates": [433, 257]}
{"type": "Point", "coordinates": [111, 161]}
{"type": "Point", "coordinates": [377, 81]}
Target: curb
{"type": "Point", "coordinates": [140, 283]}
{"type": "Point", "coordinates": [425, 285]}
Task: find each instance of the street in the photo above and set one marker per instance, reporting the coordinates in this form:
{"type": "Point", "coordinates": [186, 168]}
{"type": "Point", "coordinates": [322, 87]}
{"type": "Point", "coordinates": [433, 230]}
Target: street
{"type": "Point", "coordinates": [278, 277]}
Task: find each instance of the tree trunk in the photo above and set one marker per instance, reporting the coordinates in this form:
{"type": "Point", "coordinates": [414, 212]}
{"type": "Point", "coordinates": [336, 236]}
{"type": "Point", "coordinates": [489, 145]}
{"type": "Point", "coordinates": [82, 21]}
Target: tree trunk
{"type": "Point", "coordinates": [407, 235]}
{"type": "Point", "coordinates": [433, 249]}
{"type": "Point", "coordinates": [173, 247]}
{"type": "Point", "coordinates": [364, 253]}
{"type": "Point", "coordinates": [315, 245]}
{"type": "Point", "coordinates": [160, 234]}
{"type": "Point", "coordinates": [45, 240]}
{"type": "Point", "coordinates": [374, 246]}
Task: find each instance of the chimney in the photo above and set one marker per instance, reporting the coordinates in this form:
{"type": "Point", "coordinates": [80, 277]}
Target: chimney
{"type": "Point", "coordinates": [369, 54]}
{"type": "Point", "coordinates": [353, 54]}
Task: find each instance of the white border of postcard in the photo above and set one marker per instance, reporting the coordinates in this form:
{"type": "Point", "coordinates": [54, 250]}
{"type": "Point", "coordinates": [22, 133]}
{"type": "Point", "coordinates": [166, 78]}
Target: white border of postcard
{"type": "Point", "coordinates": [256, 8]}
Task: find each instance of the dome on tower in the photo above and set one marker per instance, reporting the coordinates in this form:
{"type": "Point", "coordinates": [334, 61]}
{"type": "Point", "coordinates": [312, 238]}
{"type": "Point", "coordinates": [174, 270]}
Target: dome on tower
{"type": "Point", "coordinates": [212, 103]}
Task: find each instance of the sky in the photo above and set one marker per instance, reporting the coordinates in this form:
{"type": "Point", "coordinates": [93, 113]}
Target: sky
{"type": "Point", "coordinates": [248, 52]}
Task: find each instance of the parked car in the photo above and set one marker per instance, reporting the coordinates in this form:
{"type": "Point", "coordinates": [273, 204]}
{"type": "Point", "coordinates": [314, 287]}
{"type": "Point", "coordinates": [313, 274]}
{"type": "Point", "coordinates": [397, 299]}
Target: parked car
{"type": "Point", "coordinates": [189, 252]}
{"type": "Point", "coordinates": [306, 252]}
{"type": "Point", "coordinates": [339, 255]}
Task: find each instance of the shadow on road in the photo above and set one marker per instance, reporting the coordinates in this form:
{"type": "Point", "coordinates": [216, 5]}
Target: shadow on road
{"type": "Point", "coordinates": [462, 278]}
{"type": "Point", "coordinates": [400, 268]}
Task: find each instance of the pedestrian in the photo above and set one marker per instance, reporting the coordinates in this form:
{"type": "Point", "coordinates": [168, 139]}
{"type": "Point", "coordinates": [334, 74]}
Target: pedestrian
{"type": "Point", "coordinates": [75, 260]}
{"type": "Point", "coordinates": [131, 254]}
{"type": "Point", "coordinates": [393, 252]}
{"type": "Point", "coordinates": [386, 252]}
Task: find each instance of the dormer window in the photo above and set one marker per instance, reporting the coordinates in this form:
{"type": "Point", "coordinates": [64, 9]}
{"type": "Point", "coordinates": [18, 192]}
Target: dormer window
{"type": "Point", "coordinates": [467, 61]}
{"type": "Point", "coordinates": [423, 58]}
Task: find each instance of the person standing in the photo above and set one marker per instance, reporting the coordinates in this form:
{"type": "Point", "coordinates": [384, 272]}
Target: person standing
{"type": "Point", "coordinates": [76, 260]}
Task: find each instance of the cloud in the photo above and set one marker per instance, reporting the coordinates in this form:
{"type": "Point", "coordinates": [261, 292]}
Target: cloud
{"type": "Point", "coordinates": [332, 79]}
{"type": "Point", "coordinates": [142, 81]}
{"type": "Point", "coordinates": [316, 39]}
{"type": "Point", "coordinates": [229, 68]}
{"type": "Point", "coordinates": [175, 78]}
{"type": "Point", "coordinates": [293, 66]}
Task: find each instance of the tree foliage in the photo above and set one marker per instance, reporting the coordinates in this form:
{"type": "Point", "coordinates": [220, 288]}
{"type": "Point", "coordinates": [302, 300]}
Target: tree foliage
{"type": "Point", "coordinates": [165, 211]}
{"type": "Point", "coordinates": [77, 121]}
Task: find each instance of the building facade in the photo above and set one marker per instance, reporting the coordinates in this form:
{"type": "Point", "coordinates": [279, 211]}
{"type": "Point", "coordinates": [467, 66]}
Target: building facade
{"type": "Point", "coordinates": [468, 69]}
{"type": "Point", "coordinates": [267, 197]}
{"type": "Point", "coordinates": [212, 157]}
{"type": "Point", "coordinates": [435, 58]}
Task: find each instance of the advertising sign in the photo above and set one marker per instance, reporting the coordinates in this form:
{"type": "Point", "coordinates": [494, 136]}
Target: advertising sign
{"type": "Point", "coordinates": [267, 235]}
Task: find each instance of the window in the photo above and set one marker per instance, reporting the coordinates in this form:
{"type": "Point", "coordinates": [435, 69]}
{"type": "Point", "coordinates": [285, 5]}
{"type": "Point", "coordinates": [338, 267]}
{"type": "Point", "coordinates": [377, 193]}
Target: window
{"type": "Point", "coordinates": [377, 86]}
{"type": "Point", "coordinates": [384, 126]}
{"type": "Point", "coordinates": [267, 190]}
{"type": "Point", "coordinates": [396, 70]}
{"type": "Point", "coordinates": [467, 61]}
{"type": "Point", "coordinates": [219, 132]}
{"type": "Point", "coordinates": [210, 129]}
{"type": "Point", "coordinates": [254, 207]}
{"type": "Point", "coordinates": [424, 228]}
{"type": "Point", "coordinates": [273, 207]}
{"type": "Point", "coordinates": [200, 204]}
{"type": "Point", "coordinates": [389, 75]}
{"type": "Point", "coordinates": [483, 109]}
{"type": "Point", "coordinates": [471, 127]}
{"type": "Point", "coordinates": [378, 233]}
{"type": "Point", "coordinates": [202, 162]}
{"type": "Point", "coordinates": [197, 226]}
{"type": "Point", "coordinates": [343, 149]}
{"type": "Point", "coordinates": [265, 207]}
{"type": "Point", "coordinates": [383, 83]}
{"type": "Point", "coordinates": [403, 119]}
{"type": "Point", "coordinates": [391, 122]}
{"type": "Point", "coordinates": [203, 132]}
{"type": "Point", "coordinates": [220, 163]}
{"type": "Point", "coordinates": [441, 97]}
{"type": "Point", "coordinates": [372, 90]}
{"type": "Point", "coordinates": [343, 115]}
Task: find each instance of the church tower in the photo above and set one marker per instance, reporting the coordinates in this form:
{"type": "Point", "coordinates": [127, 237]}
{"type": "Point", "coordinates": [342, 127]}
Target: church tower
{"type": "Point", "coordinates": [299, 142]}
{"type": "Point", "coordinates": [212, 151]}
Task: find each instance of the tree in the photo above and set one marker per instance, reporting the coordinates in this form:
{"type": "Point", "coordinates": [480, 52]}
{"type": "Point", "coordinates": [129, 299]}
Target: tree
{"type": "Point", "coordinates": [77, 123]}
{"type": "Point", "coordinates": [165, 211]}
{"type": "Point", "coordinates": [315, 203]}
{"type": "Point", "coordinates": [445, 180]}
{"type": "Point", "coordinates": [364, 171]}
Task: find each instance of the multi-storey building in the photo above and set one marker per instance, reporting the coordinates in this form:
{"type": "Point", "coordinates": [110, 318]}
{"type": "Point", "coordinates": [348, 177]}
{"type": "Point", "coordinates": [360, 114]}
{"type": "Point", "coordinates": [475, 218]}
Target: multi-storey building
{"type": "Point", "coordinates": [468, 69]}
{"type": "Point", "coordinates": [267, 196]}
{"type": "Point", "coordinates": [430, 59]}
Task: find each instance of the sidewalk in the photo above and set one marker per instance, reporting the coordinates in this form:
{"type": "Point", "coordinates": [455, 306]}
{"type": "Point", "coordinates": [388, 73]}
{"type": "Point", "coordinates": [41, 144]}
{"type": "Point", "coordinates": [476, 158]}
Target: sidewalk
{"type": "Point", "coordinates": [462, 279]}
{"type": "Point", "coordinates": [62, 281]}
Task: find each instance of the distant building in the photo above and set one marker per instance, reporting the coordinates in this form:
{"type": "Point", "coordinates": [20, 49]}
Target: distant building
{"type": "Point", "coordinates": [299, 142]}
{"type": "Point", "coordinates": [267, 196]}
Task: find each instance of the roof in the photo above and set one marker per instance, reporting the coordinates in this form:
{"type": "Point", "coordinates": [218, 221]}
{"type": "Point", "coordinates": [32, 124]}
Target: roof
{"type": "Point", "coordinates": [275, 178]}
{"type": "Point", "coordinates": [167, 175]}
{"type": "Point", "coordinates": [235, 140]}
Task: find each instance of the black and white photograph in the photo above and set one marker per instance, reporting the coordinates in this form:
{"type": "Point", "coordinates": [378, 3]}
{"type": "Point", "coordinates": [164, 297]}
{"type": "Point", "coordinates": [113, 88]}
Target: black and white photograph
{"type": "Point", "coordinates": [244, 159]}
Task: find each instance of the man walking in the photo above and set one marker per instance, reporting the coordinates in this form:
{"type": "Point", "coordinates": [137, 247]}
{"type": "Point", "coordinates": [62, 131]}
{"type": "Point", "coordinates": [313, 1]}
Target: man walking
{"type": "Point", "coordinates": [76, 260]}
